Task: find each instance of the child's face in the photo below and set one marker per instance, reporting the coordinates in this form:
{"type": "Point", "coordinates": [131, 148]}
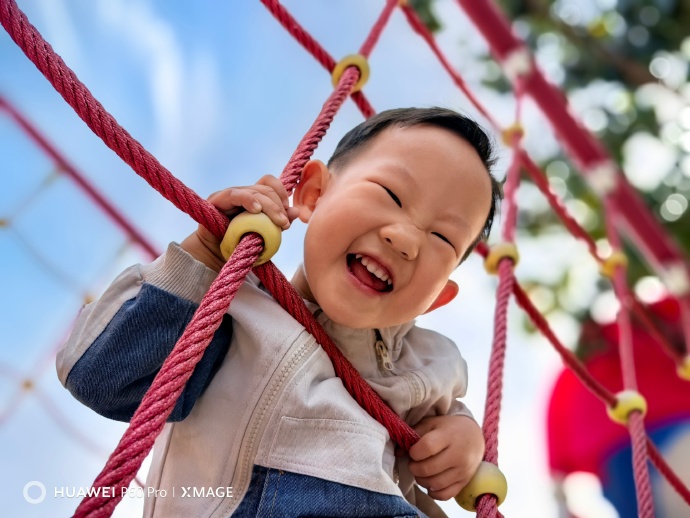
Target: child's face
{"type": "Point", "coordinates": [443, 196]}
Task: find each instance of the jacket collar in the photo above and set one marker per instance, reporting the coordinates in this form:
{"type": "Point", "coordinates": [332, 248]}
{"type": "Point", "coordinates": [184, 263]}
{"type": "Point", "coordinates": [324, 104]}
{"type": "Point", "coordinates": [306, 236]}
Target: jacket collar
{"type": "Point", "coordinates": [353, 341]}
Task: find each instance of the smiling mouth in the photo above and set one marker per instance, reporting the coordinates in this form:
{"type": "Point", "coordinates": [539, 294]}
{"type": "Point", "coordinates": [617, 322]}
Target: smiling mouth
{"type": "Point", "coordinates": [369, 278]}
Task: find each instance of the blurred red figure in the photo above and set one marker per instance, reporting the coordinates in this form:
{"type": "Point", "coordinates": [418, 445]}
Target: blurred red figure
{"type": "Point", "coordinates": [582, 438]}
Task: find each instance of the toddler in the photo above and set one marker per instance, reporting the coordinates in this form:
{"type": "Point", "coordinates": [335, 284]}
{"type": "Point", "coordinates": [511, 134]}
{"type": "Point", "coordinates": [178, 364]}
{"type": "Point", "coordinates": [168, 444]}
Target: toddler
{"type": "Point", "coordinates": [403, 200]}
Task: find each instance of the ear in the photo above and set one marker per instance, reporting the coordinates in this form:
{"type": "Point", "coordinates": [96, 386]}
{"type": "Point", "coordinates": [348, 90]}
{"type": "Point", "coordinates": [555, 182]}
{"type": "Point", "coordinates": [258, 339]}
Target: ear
{"type": "Point", "coordinates": [448, 293]}
{"type": "Point", "coordinates": [312, 184]}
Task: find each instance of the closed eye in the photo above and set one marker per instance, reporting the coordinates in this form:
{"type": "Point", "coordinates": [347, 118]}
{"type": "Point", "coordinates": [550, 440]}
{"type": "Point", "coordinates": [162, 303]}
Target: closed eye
{"type": "Point", "coordinates": [444, 238]}
{"type": "Point", "coordinates": [392, 195]}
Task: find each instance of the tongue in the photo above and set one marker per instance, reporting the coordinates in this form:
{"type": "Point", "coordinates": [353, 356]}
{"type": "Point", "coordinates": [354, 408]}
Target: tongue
{"type": "Point", "coordinates": [366, 277]}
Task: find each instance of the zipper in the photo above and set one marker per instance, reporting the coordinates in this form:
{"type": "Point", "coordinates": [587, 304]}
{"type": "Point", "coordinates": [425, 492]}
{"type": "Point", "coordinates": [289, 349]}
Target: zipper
{"type": "Point", "coordinates": [256, 424]}
{"type": "Point", "coordinates": [383, 358]}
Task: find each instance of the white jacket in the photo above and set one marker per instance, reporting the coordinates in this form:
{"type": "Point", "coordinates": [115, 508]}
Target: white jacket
{"type": "Point", "coordinates": [276, 401]}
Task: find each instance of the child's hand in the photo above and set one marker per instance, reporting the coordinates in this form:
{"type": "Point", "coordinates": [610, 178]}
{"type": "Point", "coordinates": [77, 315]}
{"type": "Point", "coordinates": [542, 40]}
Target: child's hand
{"type": "Point", "coordinates": [447, 455]}
{"type": "Point", "coordinates": [268, 195]}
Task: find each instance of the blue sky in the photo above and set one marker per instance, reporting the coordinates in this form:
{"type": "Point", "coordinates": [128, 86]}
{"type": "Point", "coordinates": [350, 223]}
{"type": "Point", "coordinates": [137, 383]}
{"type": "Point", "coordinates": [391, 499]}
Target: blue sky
{"type": "Point", "coordinates": [221, 95]}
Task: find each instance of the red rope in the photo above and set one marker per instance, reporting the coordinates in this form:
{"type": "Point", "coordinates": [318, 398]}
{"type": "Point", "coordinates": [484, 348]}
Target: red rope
{"type": "Point", "coordinates": [620, 288]}
{"type": "Point", "coordinates": [377, 29]}
{"type": "Point", "coordinates": [631, 301]}
{"type": "Point", "coordinates": [139, 437]}
{"type": "Point", "coordinates": [102, 123]}
{"type": "Point", "coordinates": [487, 507]}
{"type": "Point", "coordinates": [291, 174]}
{"type": "Point", "coordinates": [488, 504]}
{"type": "Point", "coordinates": [286, 295]}
{"type": "Point", "coordinates": [643, 486]}
{"type": "Point", "coordinates": [420, 28]}
{"type": "Point", "coordinates": [498, 348]}
{"type": "Point", "coordinates": [541, 181]}
{"type": "Point", "coordinates": [657, 335]}
{"type": "Point", "coordinates": [566, 354]}
{"type": "Point", "coordinates": [497, 362]}
{"type": "Point", "coordinates": [314, 48]}
{"type": "Point", "coordinates": [580, 371]}
{"type": "Point", "coordinates": [292, 302]}
{"type": "Point", "coordinates": [667, 472]}
{"type": "Point", "coordinates": [298, 32]}
{"type": "Point", "coordinates": [159, 401]}
{"type": "Point", "coordinates": [65, 167]}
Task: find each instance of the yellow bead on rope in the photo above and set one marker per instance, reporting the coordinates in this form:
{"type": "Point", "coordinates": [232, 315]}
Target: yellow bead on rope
{"type": "Point", "coordinates": [683, 369]}
{"type": "Point", "coordinates": [353, 60]}
{"type": "Point", "coordinates": [245, 223]}
{"type": "Point", "coordinates": [488, 480]}
{"type": "Point", "coordinates": [511, 132]}
{"type": "Point", "coordinates": [609, 265]}
{"type": "Point", "coordinates": [498, 252]}
{"type": "Point", "coordinates": [627, 401]}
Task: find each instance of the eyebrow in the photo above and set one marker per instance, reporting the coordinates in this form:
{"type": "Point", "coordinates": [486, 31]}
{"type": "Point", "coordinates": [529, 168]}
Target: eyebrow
{"type": "Point", "coordinates": [404, 172]}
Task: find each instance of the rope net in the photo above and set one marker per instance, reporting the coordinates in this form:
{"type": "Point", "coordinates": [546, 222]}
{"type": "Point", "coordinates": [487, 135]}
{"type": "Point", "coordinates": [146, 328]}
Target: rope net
{"type": "Point", "coordinates": [620, 205]}
{"type": "Point", "coordinates": [28, 381]}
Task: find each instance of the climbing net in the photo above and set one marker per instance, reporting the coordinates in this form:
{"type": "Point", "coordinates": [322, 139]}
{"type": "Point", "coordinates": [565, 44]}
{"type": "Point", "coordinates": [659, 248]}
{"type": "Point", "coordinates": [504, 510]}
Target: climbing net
{"type": "Point", "coordinates": [622, 206]}
{"type": "Point", "coordinates": [27, 382]}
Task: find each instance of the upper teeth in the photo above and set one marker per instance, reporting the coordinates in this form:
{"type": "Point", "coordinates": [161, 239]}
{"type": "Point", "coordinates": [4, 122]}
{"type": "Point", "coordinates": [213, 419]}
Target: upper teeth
{"type": "Point", "coordinates": [374, 268]}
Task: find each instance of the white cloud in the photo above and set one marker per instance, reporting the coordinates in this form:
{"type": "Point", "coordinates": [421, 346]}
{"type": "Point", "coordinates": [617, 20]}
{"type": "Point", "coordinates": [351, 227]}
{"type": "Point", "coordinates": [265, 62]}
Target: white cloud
{"type": "Point", "coordinates": [182, 92]}
{"type": "Point", "coordinates": [58, 30]}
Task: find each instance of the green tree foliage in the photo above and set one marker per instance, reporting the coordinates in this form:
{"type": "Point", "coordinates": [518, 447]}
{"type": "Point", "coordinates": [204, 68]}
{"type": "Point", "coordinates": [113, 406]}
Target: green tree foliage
{"type": "Point", "coordinates": [624, 65]}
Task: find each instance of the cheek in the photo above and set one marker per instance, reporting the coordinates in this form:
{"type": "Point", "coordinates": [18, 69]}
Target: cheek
{"type": "Point", "coordinates": [321, 246]}
{"type": "Point", "coordinates": [431, 282]}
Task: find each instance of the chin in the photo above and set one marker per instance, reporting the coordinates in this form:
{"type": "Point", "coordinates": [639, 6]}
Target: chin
{"type": "Point", "coordinates": [352, 321]}
{"type": "Point", "coordinates": [346, 318]}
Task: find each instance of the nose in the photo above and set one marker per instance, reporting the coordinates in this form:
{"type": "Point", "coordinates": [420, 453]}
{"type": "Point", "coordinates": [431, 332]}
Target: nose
{"type": "Point", "coordinates": [404, 239]}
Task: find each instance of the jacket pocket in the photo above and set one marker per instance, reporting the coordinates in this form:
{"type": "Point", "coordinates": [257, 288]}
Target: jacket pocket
{"type": "Point", "coordinates": [346, 452]}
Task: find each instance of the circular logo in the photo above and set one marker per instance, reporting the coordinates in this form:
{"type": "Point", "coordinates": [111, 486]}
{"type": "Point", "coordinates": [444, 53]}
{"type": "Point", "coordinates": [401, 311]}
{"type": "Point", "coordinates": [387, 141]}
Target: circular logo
{"type": "Point", "coordinates": [41, 492]}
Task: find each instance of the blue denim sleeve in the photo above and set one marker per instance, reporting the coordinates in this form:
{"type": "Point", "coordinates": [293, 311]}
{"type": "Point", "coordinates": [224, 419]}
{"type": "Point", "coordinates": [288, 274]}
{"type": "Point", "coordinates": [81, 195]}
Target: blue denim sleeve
{"type": "Point", "coordinates": [115, 372]}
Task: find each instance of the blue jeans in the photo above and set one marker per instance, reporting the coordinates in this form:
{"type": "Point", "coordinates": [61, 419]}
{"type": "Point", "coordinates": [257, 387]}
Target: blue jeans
{"type": "Point", "coordinates": [275, 493]}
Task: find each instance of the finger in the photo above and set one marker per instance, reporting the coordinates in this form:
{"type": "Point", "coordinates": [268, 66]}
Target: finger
{"type": "Point", "coordinates": [442, 480]}
{"type": "Point", "coordinates": [427, 424]}
{"type": "Point", "coordinates": [277, 186]}
{"type": "Point", "coordinates": [231, 200]}
{"type": "Point", "coordinates": [431, 443]}
{"type": "Point", "coordinates": [254, 199]}
{"type": "Point", "coordinates": [431, 466]}
{"type": "Point", "coordinates": [271, 193]}
{"type": "Point", "coordinates": [274, 210]}
{"type": "Point", "coordinates": [447, 493]}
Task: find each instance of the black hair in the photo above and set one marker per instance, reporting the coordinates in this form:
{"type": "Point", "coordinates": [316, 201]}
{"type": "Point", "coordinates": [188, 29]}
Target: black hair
{"type": "Point", "coordinates": [357, 138]}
